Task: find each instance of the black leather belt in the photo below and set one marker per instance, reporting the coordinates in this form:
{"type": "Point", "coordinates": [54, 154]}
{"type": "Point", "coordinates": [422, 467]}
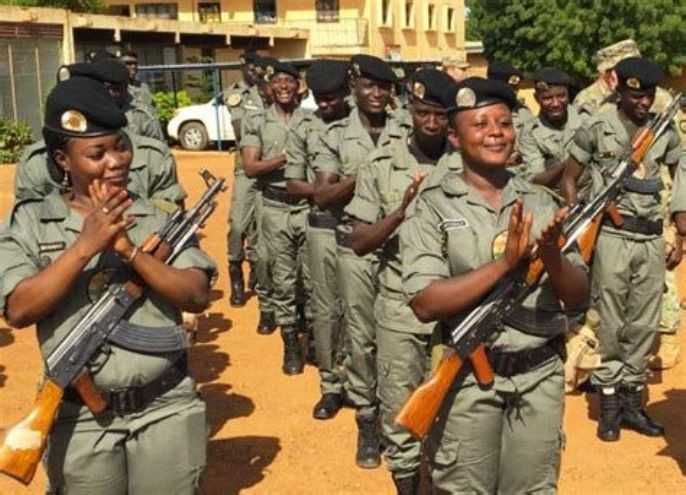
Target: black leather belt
{"type": "Point", "coordinates": [637, 225]}
{"type": "Point", "coordinates": [643, 186]}
{"type": "Point", "coordinates": [322, 221]}
{"type": "Point", "coordinates": [508, 364]}
{"type": "Point", "coordinates": [344, 239]}
{"type": "Point", "coordinates": [127, 400]}
{"type": "Point", "coordinates": [280, 195]}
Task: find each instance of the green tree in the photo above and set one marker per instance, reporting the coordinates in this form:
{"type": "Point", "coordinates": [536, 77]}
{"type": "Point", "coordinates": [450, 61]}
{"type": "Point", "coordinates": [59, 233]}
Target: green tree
{"type": "Point", "coordinates": [567, 33]}
{"type": "Point", "coordinates": [92, 6]}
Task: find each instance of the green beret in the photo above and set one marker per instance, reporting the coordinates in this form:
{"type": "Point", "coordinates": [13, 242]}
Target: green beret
{"type": "Point", "coordinates": [327, 76]}
{"type": "Point", "coordinates": [638, 73]}
{"type": "Point", "coordinates": [429, 85]}
{"type": "Point", "coordinates": [82, 107]}
{"type": "Point", "coordinates": [372, 68]}
{"type": "Point", "coordinates": [477, 92]}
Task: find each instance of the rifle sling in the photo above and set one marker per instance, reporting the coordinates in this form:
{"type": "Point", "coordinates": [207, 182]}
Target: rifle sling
{"type": "Point", "coordinates": [151, 340]}
{"type": "Point", "coordinates": [508, 364]}
{"type": "Point", "coordinates": [643, 186]}
{"type": "Point", "coordinates": [637, 225]}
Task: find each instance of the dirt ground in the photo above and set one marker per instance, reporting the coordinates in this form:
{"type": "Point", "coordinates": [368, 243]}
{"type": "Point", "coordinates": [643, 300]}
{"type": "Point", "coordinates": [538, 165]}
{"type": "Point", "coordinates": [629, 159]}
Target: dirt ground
{"type": "Point", "coordinates": [263, 439]}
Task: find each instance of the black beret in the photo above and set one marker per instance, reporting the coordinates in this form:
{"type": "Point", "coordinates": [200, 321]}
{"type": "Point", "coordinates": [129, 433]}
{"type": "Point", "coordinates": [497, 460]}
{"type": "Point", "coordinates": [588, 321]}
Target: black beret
{"type": "Point", "coordinates": [249, 57]}
{"type": "Point", "coordinates": [281, 67]}
{"type": "Point", "coordinates": [107, 70]}
{"type": "Point", "coordinates": [639, 73]}
{"type": "Point", "coordinates": [550, 76]}
{"type": "Point", "coordinates": [96, 55]}
{"type": "Point", "coordinates": [327, 76]}
{"type": "Point", "coordinates": [372, 68]}
{"type": "Point", "coordinates": [477, 92]}
{"type": "Point", "coordinates": [502, 71]}
{"type": "Point", "coordinates": [428, 86]}
{"type": "Point", "coordinates": [82, 107]}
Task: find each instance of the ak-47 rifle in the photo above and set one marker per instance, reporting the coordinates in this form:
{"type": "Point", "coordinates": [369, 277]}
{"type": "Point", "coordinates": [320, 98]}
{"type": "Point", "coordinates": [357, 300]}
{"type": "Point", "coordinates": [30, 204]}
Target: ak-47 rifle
{"type": "Point", "coordinates": [581, 225]}
{"type": "Point", "coordinates": [66, 365]}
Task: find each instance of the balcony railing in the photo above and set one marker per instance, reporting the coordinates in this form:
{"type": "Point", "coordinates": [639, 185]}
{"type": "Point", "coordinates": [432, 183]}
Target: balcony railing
{"type": "Point", "coordinates": [331, 35]}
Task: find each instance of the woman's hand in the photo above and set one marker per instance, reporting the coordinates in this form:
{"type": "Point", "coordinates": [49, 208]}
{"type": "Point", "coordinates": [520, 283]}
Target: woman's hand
{"type": "Point", "coordinates": [517, 246]}
{"type": "Point", "coordinates": [105, 225]}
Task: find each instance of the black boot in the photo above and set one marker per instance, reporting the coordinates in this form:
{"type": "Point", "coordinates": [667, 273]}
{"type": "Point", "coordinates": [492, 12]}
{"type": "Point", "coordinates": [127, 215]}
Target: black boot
{"type": "Point", "coordinates": [407, 485]}
{"type": "Point", "coordinates": [610, 414]}
{"type": "Point", "coordinates": [368, 454]}
{"type": "Point", "coordinates": [252, 278]}
{"type": "Point", "coordinates": [267, 325]}
{"type": "Point", "coordinates": [634, 416]}
{"type": "Point", "coordinates": [292, 352]}
{"type": "Point", "coordinates": [328, 406]}
{"type": "Point", "coordinates": [237, 298]}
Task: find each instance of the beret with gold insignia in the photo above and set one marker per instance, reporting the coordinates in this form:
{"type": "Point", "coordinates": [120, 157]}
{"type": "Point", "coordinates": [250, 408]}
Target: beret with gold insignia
{"type": "Point", "coordinates": [327, 76]}
{"type": "Point", "coordinates": [281, 68]}
{"type": "Point", "coordinates": [502, 71]}
{"type": "Point", "coordinates": [248, 57]}
{"type": "Point", "coordinates": [107, 70]}
{"type": "Point", "coordinates": [96, 55]}
{"type": "Point", "coordinates": [428, 86]}
{"type": "Point", "coordinates": [82, 107]}
{"type": "Point", "coordinates": [477, 92]}
{"type": "Point", "coordinates": [638, 73]}
{"type": "Point", "coordinates": [372, 68]}
{"type": "Point", "coordinates": [549, 76]}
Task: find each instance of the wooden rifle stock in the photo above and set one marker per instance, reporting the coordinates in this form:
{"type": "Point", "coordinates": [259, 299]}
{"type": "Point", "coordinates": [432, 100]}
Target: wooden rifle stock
{"type": "Point", "coordinates": [25, 442]}
{"type": "Point", "coordinates": [420, 410]}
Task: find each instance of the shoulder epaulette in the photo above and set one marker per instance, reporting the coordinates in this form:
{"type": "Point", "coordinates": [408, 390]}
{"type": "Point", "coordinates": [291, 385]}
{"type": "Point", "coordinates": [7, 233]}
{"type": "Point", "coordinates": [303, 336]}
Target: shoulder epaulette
{"type": "Point", "coordinates": [148, 142]}
{"type": "Point", "coordinates": [22, 203]}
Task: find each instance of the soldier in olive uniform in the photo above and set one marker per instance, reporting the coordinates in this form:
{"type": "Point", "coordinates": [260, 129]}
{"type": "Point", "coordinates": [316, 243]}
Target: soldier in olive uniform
{"type": "Point", "coordinates": [282, 215]}
{"type": "Point", "coordinates": [385, 189]}
{"type": "Point", "coordinates": [58, 255]}
{"type": "Point", "coordinates": [139, 90]}
{"type": "Point", "coordinates": [629, 258]}
{"type": "Point", "coordinates": [328, 81]}
{"type": "Point", "coordinates": [242, 97]}
{"type": "Point", "coordinates": [152, 174]}
{"type": "Point", "coordinates": [544, 141]}
{"type": "Point", "coordinates": [466, 233]}
{"type": "Point", "coordinates": [345, 146]}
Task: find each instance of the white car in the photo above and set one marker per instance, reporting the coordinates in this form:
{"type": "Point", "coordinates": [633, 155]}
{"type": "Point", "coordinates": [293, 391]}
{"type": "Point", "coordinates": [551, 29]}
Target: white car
{"type": "Point", "coordinates": [195, 126]}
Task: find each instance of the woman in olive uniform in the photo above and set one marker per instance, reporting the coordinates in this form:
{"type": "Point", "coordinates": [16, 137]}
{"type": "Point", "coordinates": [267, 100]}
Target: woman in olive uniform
{"type": "Point", "coordinates": [470, 230]}
{"type": "Point", "coordinates": [58, 254]}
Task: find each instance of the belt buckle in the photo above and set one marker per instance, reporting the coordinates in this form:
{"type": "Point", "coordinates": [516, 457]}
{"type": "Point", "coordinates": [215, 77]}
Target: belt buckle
{"type": "Point", "coordinates": [124, 400]}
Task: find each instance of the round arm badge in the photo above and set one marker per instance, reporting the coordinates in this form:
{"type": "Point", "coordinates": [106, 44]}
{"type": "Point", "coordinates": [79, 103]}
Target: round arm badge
{"type": "Point", "coordinates": [233, 99]}
{"type": "Point", "coordinates": [498, 245]}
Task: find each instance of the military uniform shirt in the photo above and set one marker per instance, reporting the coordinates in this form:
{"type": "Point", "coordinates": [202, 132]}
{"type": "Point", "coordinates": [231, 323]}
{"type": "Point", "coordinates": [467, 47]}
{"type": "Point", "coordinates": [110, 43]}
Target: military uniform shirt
{"type": "Point", "coordinates": [543, 146]}
{"type": "Point", "coordinates": [605, 141]}
{"type": "Point", "coordinates": [39, 231]}
{"type": "Point", "coordinates": [141, 95]}
{"type": "Point", "coordinates": [380, 188]}
{"type": "Point", "coordinates": [451, 233]}
{"type": "Point", "coordinates": [142, 122]}
{"type": "Point", "coordinates": [267, 131]}
{"type": "Point", "coordinates": [241, 100]}
{"type": "Point", "coordinates": [152, 173]}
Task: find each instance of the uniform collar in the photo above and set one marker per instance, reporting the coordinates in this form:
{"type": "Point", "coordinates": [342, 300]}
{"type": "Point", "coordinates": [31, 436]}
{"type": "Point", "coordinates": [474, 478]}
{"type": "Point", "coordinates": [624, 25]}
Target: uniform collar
{"type": "Point", "coordinates": [453, 184]}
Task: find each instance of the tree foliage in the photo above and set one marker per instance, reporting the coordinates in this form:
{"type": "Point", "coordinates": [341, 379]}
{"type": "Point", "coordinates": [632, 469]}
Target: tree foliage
{"type": "Point", "coordinates": [567, 33]}
{"type": "Point", "coordinates": [92, 6]}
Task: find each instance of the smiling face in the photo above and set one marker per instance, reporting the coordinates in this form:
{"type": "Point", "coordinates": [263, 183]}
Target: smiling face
{"type": "Point", "coordinates": [107, 158]}
{"type": "Point", "coordinates": [636, 103]}
{"type": "Point", "coordinates": [372, 96]}
{"type": "Point", "coordinates": [485, 136]}
{"type": "Point", "coordinates": [553, 102]}
{"type": "Point", "coordinates": [284, 88]}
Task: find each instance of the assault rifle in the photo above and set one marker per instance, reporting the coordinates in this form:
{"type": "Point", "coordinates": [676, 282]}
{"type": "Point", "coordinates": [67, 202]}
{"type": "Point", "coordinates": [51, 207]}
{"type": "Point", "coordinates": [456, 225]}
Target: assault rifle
{"type": "Point", "coordinates": [581, 225]}
{"type": "Point", "coordinates": [66, 365]}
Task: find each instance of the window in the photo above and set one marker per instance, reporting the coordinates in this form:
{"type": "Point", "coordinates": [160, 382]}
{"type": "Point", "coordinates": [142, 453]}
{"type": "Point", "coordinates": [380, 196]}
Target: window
{"type": "Point", "coordinates": [386, 13]}
{"type": "Point", "coordinates": [327, 10]}
{"type": "Point", "coordinates": [157, 10]}
{"type": "Point", "coordinates": [431, 17]}
{"type": "Point", "coordinates": [265, 11]}
{"type": "Point", "coordinates": [122, 10]}
{"type": "Point", "coordinates": [209, 12]}
{"type": "Point", "coordinates": [409, 14]}
{"type": "Point", "coordinates": [449, 20]}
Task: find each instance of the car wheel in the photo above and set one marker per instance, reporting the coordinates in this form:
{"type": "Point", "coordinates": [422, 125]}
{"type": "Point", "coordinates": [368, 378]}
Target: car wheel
{"type": "Point", "coordinates": [193, 136]}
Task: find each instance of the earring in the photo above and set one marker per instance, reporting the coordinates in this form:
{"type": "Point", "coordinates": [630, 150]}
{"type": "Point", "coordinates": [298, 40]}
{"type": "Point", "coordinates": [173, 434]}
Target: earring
{"type": "Point", "coordinates": [66, 181]}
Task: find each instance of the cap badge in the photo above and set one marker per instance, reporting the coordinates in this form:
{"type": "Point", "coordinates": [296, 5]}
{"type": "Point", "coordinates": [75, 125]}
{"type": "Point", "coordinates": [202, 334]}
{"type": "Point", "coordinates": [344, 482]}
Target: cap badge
{"type": "Point", "coordinates": [633, 83]}
{"type": "Point", "coordinates": [419, 90]}
{"type": "Point", "coordinates": [514, 80]}
{"type": "Point", "coordinates": [356, 69]}
{"type": "Point", "coordinates": [74, 121]}
{"type": "Point", "coordinates": [63, 73]}
{"type": "Point", "coordinates": [269, 71]}
{"type": "Point", "coordinates": [233, 99]}
{"type": "Point", "coordinates": [542, 85]}
{"type": "Point", "coordinates": [465, 98]}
